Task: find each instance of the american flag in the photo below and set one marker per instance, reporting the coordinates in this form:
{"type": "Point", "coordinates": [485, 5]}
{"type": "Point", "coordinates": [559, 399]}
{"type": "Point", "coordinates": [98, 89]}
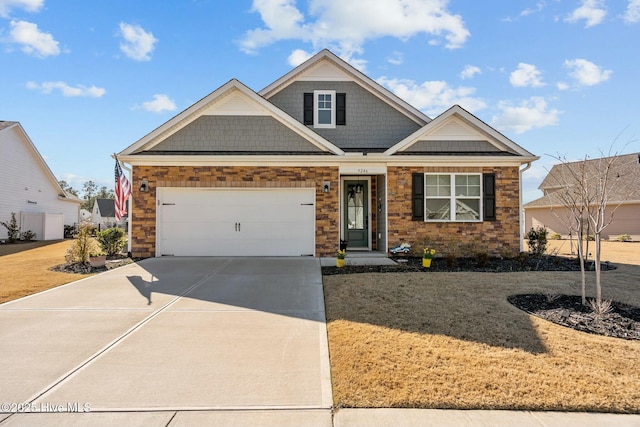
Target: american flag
{"type": "Point", "coordinates": [123, 190]}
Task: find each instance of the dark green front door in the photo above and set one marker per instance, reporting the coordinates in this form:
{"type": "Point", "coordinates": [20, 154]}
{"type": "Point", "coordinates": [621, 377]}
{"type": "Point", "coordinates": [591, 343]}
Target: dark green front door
{"type": "Point", "coordinates": [356, 214]}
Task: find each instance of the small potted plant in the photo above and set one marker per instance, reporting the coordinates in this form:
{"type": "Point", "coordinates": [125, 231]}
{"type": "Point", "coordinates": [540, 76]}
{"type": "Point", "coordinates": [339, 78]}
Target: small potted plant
{"type": "Point", "coordinates": [427, 255]}
{"type": "Point", "coordinates": [340, 258]}
{"type": "Point", "coordinates": [97, 259]}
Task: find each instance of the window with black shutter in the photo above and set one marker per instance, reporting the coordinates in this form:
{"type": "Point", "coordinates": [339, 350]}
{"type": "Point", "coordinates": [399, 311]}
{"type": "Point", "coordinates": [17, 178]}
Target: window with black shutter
{"type": "Point", "coordinates": [320, 109]}
{"type": "Point", "coordinates": [341, 108]}
{"type": "Point", "coordinates": [489, 196]}
{"type": "Point", "coordinates": [308, 109]}
{"type": "Point", "coordinates": [417, 197]}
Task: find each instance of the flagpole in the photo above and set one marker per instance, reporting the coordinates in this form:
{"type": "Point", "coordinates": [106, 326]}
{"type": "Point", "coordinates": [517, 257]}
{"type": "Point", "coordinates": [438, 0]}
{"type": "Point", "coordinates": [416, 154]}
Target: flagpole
{"type": "Point", "coordinates": [130, 200]}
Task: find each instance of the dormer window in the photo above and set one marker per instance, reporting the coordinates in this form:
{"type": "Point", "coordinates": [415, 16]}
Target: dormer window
{"type": "Point", "coordinates": [325, 109]}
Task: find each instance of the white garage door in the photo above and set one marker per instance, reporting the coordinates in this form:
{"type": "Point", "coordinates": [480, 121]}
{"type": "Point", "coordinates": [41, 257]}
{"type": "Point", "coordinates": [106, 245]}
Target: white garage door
{"type": "Point", "coordinates": [235, 222]}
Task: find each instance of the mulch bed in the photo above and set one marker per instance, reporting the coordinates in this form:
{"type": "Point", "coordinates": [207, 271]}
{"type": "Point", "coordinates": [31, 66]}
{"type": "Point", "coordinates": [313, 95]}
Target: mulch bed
{"type": "Point", "coordinates": [408, 264]}
{"type": "Point", "coordinates": [567, 310]}
{"type": "Point", "coordinates": [80, 268]}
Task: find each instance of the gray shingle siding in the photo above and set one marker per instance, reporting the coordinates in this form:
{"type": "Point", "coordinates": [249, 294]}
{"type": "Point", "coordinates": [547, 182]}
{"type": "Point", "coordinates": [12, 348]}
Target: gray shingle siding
{"type": "Point", "coordinates": [371, 123]}
{"type": "Point", "coordinates": [236, 134]}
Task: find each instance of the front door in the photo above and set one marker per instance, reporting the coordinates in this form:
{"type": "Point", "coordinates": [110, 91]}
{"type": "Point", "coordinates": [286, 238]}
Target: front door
{"type": "Point", "coordinates": [356, 213]}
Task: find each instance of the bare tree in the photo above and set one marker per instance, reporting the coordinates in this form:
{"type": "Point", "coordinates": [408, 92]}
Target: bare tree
{"type": "Point", "coordinates": [585, 189]}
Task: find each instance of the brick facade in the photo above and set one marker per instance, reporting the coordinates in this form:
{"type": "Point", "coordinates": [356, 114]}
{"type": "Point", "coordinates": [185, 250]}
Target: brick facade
{"type": "Point", "coordinates": [498, 237]}
{"type": "Point", "coordinates": [143, 215]}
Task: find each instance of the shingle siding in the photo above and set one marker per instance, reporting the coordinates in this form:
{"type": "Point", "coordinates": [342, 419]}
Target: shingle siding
{"type": "Point", "coordinates": [258, 134]}
{"type": "Point", "coordinates": [372, 124]}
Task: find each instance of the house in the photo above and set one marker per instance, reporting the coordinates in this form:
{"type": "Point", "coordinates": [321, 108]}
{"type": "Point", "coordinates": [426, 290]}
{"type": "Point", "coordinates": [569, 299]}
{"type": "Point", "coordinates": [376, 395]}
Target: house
{"type": "Point", "coordinates": [103, 214]}
{"type": "Point", "coordinates": [623, 201]}
{"type": "Point", "coordinates": [29, 188]}
{"type": "Point", "coordinates": [322, 154]}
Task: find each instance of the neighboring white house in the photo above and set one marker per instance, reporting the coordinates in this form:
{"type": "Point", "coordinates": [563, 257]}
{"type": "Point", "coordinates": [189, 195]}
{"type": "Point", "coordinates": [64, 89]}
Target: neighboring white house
{"type": "Point", "coordinates": [104, 214]}
{"type": "Point", "coordinates": [29, 188]}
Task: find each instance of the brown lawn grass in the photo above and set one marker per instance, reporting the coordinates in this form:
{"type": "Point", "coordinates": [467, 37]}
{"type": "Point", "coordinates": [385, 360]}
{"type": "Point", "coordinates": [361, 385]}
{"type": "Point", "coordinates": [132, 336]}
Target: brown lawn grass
{"type": "Point", "coordinates": [451, 340]}
{"type": "Point", "coordinates": [25, 267]}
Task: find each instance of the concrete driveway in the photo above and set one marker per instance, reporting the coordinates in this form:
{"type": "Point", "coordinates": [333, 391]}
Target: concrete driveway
{"type": "Point", "coordinates": [171, 341]}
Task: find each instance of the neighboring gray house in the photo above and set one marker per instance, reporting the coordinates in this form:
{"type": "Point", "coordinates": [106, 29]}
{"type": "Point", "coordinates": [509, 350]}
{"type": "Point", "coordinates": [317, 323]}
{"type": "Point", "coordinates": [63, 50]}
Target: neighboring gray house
{"type": "Point", "coordinates": [624, 197]}
{"type": "Point", "coordinates": [104, 214]}
{"type": "Point", "coordinates": [30, 190]}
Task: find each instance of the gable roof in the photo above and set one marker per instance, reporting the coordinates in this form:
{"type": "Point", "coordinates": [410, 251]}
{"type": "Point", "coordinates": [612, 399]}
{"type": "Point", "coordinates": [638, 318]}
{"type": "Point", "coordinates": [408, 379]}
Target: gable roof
{"type": "Point", "coordinates": [232, 98]}
{"type": "Point", "coordinates": [455, 132]}
{"type": "Point", "coordinates": [5, 126]}
{"type": "Point", "coordinates": [326, 66]}
{"type": "Point", "coordinates": [107, 207]}
{"type": "Point", "coordinates": [624, 174]}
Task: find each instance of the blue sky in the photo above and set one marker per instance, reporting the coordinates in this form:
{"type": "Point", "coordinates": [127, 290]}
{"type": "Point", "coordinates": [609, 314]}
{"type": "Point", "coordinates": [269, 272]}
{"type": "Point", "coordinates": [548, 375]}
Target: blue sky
{"type": "Point", "coordinates": [89, 78]}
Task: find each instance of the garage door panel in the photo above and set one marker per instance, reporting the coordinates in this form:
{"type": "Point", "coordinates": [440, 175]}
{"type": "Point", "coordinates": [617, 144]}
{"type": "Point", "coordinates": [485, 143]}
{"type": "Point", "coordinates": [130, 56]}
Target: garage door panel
{"type": "Point", "coordinates": [239, 222]}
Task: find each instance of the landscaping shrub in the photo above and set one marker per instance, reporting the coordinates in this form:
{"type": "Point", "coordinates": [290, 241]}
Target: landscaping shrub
{"type": "Point", "coordinates": [555, 236]}
{"type": "Point", "coordinates": [69, 231]}
{"type": "Point", "coordinates": [112, 240]}
{"type": "Point", "coordinates": [82, 247]}
{"type": "Point", "coordinates": [624, 238]}
{"type": "Point", "coordinates": [12, 228]}
{"type": "Point", "coordinates": [537, 238]}
{"type": "Point", "coordinates": [27, 235]}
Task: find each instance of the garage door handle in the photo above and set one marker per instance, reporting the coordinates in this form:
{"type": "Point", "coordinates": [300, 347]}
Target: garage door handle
{"type": "Point", "coordinates": [237, 226]}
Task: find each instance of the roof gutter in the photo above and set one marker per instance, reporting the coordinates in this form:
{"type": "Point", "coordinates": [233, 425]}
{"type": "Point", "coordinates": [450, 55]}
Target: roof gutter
{"type": "Point", "coordinates": [521, 210]}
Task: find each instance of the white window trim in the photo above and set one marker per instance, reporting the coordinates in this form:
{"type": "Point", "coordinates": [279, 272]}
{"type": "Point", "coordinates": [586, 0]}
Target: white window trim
{"type": "Point", "coordinates": [452, 198]}
{"type": "Point", "coordinates": [331, 125]}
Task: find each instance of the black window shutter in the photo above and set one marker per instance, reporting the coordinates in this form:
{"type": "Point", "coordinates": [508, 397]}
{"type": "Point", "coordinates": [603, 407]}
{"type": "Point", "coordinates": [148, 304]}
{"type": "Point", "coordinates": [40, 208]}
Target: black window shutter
{"type": "Point", "coordinates": [417, 197]}
{"type": "Point", "coordinates": [341, 108]}
{"type": "Point", "coordinates": [489, 196]}
{"type": "Point", "coordinates": [308, 109]}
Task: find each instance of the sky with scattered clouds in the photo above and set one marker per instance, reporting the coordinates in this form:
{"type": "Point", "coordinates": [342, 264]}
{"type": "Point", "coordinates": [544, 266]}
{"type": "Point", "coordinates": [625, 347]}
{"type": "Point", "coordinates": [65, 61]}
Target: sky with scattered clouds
{"type": "Point", "coordinates": [87, 79]}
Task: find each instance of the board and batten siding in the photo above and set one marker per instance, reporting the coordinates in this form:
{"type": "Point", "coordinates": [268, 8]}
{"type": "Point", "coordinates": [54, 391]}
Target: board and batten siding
{"type": "Point", "coordinates": [26, 187]}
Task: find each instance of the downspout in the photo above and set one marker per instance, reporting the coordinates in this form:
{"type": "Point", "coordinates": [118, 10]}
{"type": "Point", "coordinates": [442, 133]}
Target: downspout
{"type": "Point", "coordinates": [521, 211]}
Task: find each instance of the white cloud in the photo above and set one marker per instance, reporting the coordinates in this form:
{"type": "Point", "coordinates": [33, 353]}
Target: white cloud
{"type": "Point", "coordinates": [160, 103]}
{"type": "Point", "coordinates": [562, 86]}
{"type": "Point", "coordinates": [632, 14]}
{"type": "Point", "coordinates": [66, 90]}
{"type": "Point", "coordinates": [28, 5]}
{"type": "Point", "coordinates": [396, 58]}
{"type": "Point", "coordinates": [434, 97]}
{"type": "Point", "coordinates": [586, 73]}
{"type": "Point", "coordinates": [298, 56]}
{"type": "Point", "coordinates": [137, 43]}
{"type": "Point", "coordinates": [469, 71]}
{"type": "Point", "coordinates": [346, 26]}
{"type": "Point", "coordinates": [530, 114]}
{"type": "Point", "coordinates": [530, 11]}
{"type": "Point", "coordinates": [526, 75]}
{"type": "Point", "coordinates": [592, 11]}
{"type": "Point", "coordinates": [33, 41]}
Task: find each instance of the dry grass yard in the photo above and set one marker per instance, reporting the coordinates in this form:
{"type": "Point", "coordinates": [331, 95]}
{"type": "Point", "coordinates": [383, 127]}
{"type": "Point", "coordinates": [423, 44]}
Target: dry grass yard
{"type": "Point", "coordinates": [451, 340]}
{"type": "Point", "coordinates": [24, 268]}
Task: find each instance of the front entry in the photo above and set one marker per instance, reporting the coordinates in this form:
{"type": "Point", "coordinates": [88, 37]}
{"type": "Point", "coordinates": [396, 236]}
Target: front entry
{"type": "Point", "coordinates": [356, 213]}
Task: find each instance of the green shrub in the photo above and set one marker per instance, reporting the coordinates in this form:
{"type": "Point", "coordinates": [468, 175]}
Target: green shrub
{"type": "Point", "coordinates": [81, 247]}
{"type": "Point", "coordinates": [624, 238]}
{"type": "Point", "coordinates": [555, 236]}
{"type": "Point", "coordinates": [537, 241]}
{"type": "Point", "coordinates": [112, 240]}
{"type": "Point", "coordinates": [12, 228]}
